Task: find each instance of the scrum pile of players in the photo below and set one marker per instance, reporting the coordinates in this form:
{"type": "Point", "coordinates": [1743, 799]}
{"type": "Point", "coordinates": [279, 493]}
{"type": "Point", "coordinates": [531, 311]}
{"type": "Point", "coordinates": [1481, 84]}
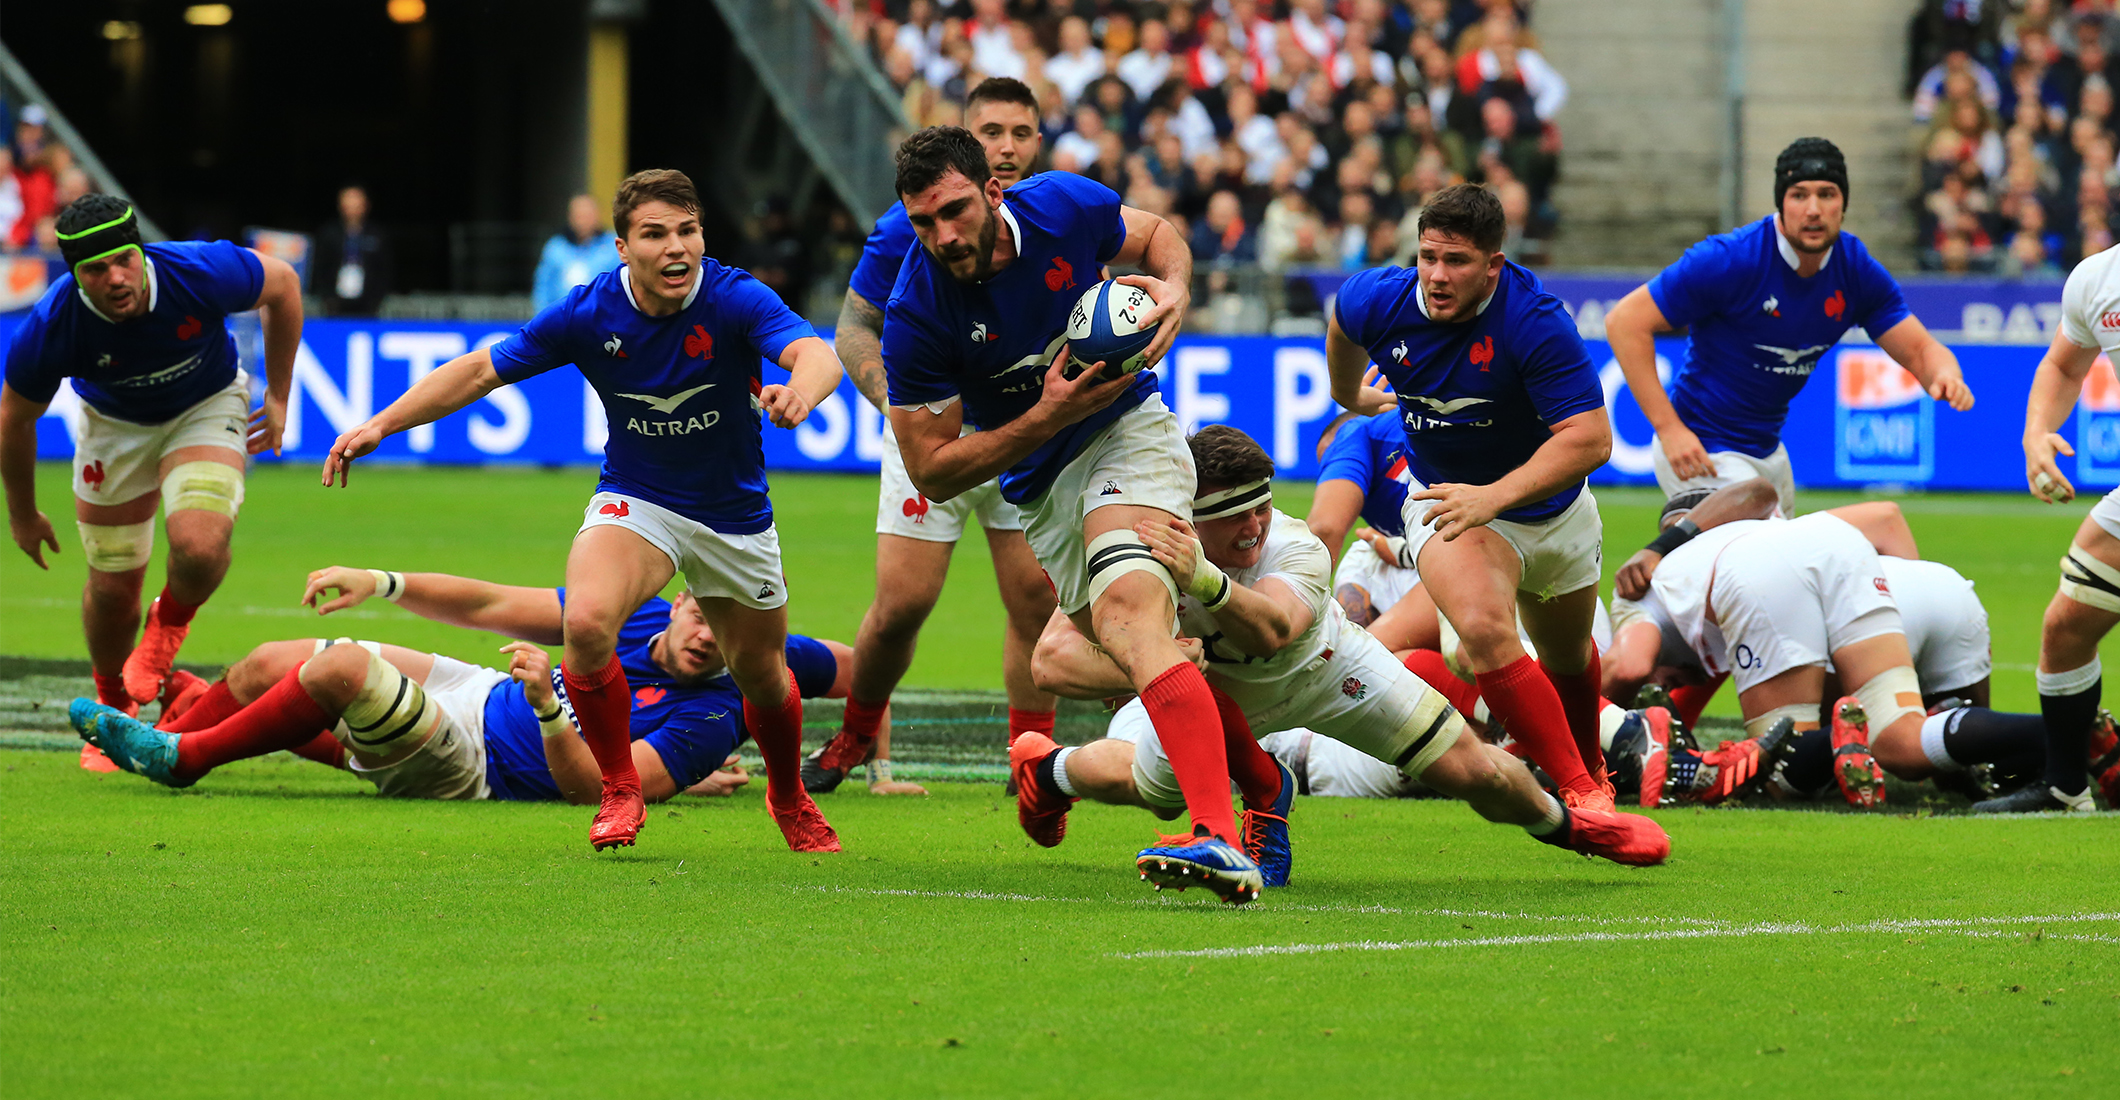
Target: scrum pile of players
{"type": "Point", "coordinates": [1137, 564]}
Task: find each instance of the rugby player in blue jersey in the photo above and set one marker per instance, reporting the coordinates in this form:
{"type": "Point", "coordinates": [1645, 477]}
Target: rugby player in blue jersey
{"type": "Point", "coordinates": [1363, 474]}
{"type": "Point", "coordinates": [422, 725]}
{"type": "Point", "coordinates": [1763, 304]}
{"type": "Point", "coordinates": [915, 535]}
{"type": "Point", "coordinates": [1504, 419]}
{"type": "Point", "coordinates": [672, 343]}
{"type": "Point", "coordinates": [975, 333]}
{"type": "Point", "coordinates": [141, 331]}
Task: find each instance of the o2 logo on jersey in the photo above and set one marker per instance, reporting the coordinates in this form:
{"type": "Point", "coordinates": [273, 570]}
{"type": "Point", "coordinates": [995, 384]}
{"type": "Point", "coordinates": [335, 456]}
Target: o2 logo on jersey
{"type": "Point", "coordinates": [1884, 426]}
{"type": "Point", "coordinates": [2098, 427]}
{"type": "Point", "coordinates": [1744, 657]}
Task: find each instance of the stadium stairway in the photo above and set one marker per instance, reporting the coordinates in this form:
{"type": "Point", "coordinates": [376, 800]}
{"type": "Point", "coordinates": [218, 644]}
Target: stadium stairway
{"type": "Point", "coordinates": [1645, 125]}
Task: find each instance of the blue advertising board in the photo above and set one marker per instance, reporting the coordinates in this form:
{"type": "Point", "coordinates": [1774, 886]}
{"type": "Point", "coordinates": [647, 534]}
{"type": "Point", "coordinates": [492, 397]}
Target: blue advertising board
{"type": "Point", "coordinates": [1862, 421]}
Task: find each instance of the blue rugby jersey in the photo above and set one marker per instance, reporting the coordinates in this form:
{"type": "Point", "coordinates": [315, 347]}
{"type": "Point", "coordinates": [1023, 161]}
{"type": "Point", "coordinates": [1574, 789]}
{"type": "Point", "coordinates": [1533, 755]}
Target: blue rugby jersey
{"type": "Point", "coordinates": [1371, 452]}
{"type": "Point", "coordinates": [680, 392]}
{"type": "Point", "coordinates": [882, 255]}
{"type": "Point", "coordinates": [149, 369]}
{"type": "Point", "coordinates": [692, 727]}
{"type": "Point", "coordinates": [1758, 330]}
{"type": "Point", "coordinates": [1477, 398]}
{"type": "Point", "coordinates": [991, 343]}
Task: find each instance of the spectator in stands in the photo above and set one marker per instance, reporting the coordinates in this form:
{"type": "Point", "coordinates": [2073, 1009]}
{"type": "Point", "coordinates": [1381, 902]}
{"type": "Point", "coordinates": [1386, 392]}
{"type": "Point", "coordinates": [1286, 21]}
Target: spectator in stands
{"type": "Point", "coordinates": [1505, 58]}
{"type": "Point", "coordinates": [920, 36]}
{"type": "Point", "coordinates": [1188, 118]}
{"type": "Point", "coordinates": [1222, 236]}
{"type": "Point", "coordinates": [1255, 134]}
{"type": "Point", "coordinates": [37, 161]}
{"type": "Point", "coordinates": [1079, 147]}
{"type": "Point", "coordinates": [10, 196]}
{"type": "Point", "coordinates": [1930, 91]}
{"type": "Point", "coordinates": [1147, 67]}
{"type": "Point", "coordinates": [2028, 258]}
{"type": "Point", "coordinates": [353, 259]}
{"type": "Point", "coordinates": [1078, 61]}
{"type": "Point", "coordinates": [993, 40]}
{"type": "Point", "coordinates": [1115, 101]}
{"type": "Point", "coordinates": [1290, 234]}
{"type": "Point", "coordinates": [577, 254]}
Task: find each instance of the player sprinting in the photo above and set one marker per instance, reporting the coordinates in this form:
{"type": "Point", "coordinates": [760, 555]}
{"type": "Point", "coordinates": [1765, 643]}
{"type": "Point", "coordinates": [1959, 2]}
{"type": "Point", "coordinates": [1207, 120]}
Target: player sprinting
{"type": "Point", "coordinates": [423, 725]}
{"type": "Point", "coordinates": [141, 330]}
{"type": "Point", "coordinates": [1763, 304]}
{"type": "Point", "coordinates": [672, 344]}
{"type": "Point", "coordinates": [2079, 747]}
{"type": "Point", "coordinates": [975, 333]}
{"type": "Point", "coordinates": [1279, 647]}
{"type": "Point", "coordinates": [914, 534]}
{"type": "Point", "coordinates": [1504, 419]}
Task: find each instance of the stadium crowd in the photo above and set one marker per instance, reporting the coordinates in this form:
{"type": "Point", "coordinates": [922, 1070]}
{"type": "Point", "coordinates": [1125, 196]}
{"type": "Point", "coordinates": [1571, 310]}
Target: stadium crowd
{"type": "Point", "coordinates": [38, 178]}
{"type": "Point", "coordinates": [1298, 134]}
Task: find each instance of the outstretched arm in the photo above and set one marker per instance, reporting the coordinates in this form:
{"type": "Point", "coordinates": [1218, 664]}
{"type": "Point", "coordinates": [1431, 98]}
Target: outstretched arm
{"type": "Point", "coordinates": [1578, 445]}
{"type": "Point", "coordinates": [813, 373]}
{"type": "Point", "coordinates": [450, 387]}
{"type": "Point", "coordinates": [531, 614]}
{"type": "Point", "coordinates": [280, 312]}
{"type": "Point", "coordinates": [1631, 329]}
{"type": "Point", "coordinates": [859, 342]}
{"type": "Point", "coordinates": [2055, 387]}
{"type": "Point", "coordinates": [1257, 621]}
{"type": "Point", "coordinates": [1911, 345]}
{"type": "Point", "coordinates": [1347, 365]}
{"type": "Point", "coordinates": [1753, 498]}
{"type": "Point", "coordinates": [31, 529]}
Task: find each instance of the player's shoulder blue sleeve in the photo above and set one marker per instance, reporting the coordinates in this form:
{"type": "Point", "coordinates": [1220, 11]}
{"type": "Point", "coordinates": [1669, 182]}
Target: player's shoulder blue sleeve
{"type": "Point", "coordinates": [1696, 285]}
{"type": "Point", "coordinates": [1878, 304]}
{"type": "Point", "coordinates": [916, 366]}
{"type": "Point", "coordinates": [882, 255]}
{"type": "Point", "coordinates": [1349, 458]}
{"type": "Point", "coordinates": [33, 366]}
{"type": "Point", "coordinates": [1553, 361]}
{"type": "Point", "coordinates": [699, 736]}
{"type": "Point", "coordinates": [1096, 205]}
{"type": "Point", "coordinates": [1353, 307]}
{"type": "Point", "coordinates": [543, 343]}
{"type": "Point", "coordinates": [766, 320]}
{"type": "Point", "coordinates": [229, 276]}
{"type": "Point", "coordinates": [816, 670]}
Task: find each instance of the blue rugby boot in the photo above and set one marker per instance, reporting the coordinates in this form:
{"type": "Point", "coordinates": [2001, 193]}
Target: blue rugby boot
{"type": "Point", "coordinates": [1265, 836]}
{"type": "Point", "coordinates": [1179, 862]}
{"type": "Point", "coordinates": [130, 743]}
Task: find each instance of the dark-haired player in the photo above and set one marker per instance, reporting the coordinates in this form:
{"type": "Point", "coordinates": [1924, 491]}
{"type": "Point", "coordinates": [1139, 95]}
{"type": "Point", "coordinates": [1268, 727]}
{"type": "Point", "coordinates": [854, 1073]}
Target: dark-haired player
{"type": "Point", "coordinates": [1763, 304]}
{"type": "Point", "coordinates": [672, 343]}
{"type": "Point", "coordinates": [1504, 419]}
{"type": "Point", "coordinates": [141, 329]}
{"type": "Point", "coordinates": [975, 333]}
{"type": "Point", "coordinates": [915, 535]}
{"type": "Point", "coordinates": [423, 725]}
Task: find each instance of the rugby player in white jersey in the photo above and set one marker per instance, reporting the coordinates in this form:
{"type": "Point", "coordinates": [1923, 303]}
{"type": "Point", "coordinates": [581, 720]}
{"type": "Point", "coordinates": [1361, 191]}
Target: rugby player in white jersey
{"type": "Point", "coordinates": [2080, 747]}
{"type": "Point", "coordinates": [1257, 594]}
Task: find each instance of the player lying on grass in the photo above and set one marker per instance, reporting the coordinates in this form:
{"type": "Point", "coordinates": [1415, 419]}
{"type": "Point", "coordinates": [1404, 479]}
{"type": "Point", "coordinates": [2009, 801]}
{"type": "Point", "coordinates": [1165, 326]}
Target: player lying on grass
{"type": "Point", "coordinates": [140, 332]}
{"type": "Point", "coordinates": [1770, 602]}
{"type": "Point", "coordinates": [915, 535]}
{"type": "Point", "coordinates": [673, 344]}
{"type": "Point", "coordinates": [421, 725]}
{"type": "Point", "coordinates": [1256, 587]}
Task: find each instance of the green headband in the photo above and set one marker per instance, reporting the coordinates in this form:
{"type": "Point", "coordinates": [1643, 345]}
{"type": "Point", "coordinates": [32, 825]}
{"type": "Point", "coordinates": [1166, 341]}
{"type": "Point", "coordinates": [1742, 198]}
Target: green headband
{"type": "Point", "coordinates": [100, 241]}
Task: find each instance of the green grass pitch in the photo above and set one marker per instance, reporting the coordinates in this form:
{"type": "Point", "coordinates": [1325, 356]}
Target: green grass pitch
{"type": "Point", "coordinates": [277, 931]}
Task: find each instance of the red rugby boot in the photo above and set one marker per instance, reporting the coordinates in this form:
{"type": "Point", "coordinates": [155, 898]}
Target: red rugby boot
{"type": "Point", "coordinates": [1622, 838]}
{"type": "Point", "coordinates": [148, 667]}
{"type": "Point", "coordinates": [93, 760]}
{"type": "Point", "coordinates": [179, 693]}
{"type": "Point", "coordinates": [2103, 750]}
{"type": "Point", "coordinates": [1861, 780]}
{"type": "Point", "coordinates": [618, 818]}
{"type": "Point", "coordinates": [804, 828]}
{"type": "Point", "coordinates": [1042, 813]}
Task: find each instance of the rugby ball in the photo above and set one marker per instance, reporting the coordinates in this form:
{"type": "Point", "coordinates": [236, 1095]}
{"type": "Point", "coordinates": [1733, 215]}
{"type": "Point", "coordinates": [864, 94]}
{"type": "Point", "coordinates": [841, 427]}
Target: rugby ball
{"type": "Point", "coordinates": [1106, 327]}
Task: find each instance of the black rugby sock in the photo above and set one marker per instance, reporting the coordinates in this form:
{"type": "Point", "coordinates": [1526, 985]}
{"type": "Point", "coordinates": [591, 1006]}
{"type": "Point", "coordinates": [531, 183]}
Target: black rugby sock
{"type": "Point", "coordinates": [2014, 743]}
{"type": "Point", "coordinates": [2068, 733]}
{"type": "Point", "coordinates": [1810, 767]}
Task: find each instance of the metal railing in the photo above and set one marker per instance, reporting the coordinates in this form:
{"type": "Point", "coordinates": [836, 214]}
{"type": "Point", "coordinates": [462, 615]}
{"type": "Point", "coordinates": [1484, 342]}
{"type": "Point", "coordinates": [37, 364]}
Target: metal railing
{"type": "Point", "coordinates": [838, 105]}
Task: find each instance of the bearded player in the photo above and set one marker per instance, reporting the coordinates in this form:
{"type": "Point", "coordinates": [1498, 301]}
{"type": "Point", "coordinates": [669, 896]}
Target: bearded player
{"type": "Point", "coordinates": [672, 344]}
{"type": "Point", "coordinates": [1762, 305]}
{"type": "Point", "coordinates": [914, 534]}
{"type": "Point", "coordinates": [1504, 420]}
{"type": "Point", "coordinates": [142, 332]}
{"type": "Point", "coordinates": [975, 333]}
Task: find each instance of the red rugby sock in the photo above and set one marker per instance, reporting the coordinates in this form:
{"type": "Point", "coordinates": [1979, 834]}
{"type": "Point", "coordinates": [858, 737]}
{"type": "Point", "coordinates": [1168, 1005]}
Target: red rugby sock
{"type": "Point", "coordinates": [1692, 699]}
{"type": "Point", "coordinates": [209, 709]}
{"type": "Point", "coordinates": [110, 691]}
{"type": "Point", "coordinates": [778, 732]}
{"type": "Point", "coordinates": [324, 749]}
{"type": "Point", "coordinates": [170, 611]}
{"type": "Point", "coordinates": [1182, 708]}
{"type": "Point", "coordinates": [1580, 702]}
{"type": "Point", "coordinates": [1522, 697]}
{"type": "Point", "coordinates": [1430, 666]}
{"type": "Point", "coordinates": [1021, 722]}
{"type": "Point", "coordinates": [1254, 770]}
{"type": "Point", "coordinates": [282, 718]}
{"type": "Point", "coordinates": [603, 712]}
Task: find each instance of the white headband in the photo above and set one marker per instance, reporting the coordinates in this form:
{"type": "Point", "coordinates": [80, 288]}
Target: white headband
{"type": "Point", "coordinates": [1223, 503]}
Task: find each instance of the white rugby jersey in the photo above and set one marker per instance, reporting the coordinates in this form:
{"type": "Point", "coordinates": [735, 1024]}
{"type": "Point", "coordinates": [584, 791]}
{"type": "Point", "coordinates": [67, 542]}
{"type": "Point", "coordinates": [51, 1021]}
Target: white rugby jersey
{"type": "Point", "coordinates": [1680, 590]}
{"type": "Point", "coordinates": [1298, 559]}
{"type": "Point", "coordinates": [2090, 303]}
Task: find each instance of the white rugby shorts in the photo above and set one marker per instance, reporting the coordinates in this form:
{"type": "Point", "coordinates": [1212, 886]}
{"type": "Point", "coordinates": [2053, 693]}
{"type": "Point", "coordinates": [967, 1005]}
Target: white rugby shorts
{"type": "Point", "coordinates": [1385, 582]}
{"type": "Point", "coordinates": [452, 764]}
{"type": "Point", "coordinates": [1561, 555]}
{"type": "Point", "coordinates": [1945, 623]}
{"type": "Point", "coordinates": [744, 568]}
{"type": "Point", "coordinates": [2106, 513]}
{"type": "Point", "coordinates": [1140, 459]}
{"type": "Point", "coordinates": [1360, 695]}
{"type": "Point", "coordinates": [1330, 768]}
{"type": "Point", "coordinates": [1789, 594]}
{"type": "Point", "coordinates": [116, 460]}
{"type": "Point", "coordinates": [1731, 467]}
{"type": "Point", "coordinates": [901, 508]}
